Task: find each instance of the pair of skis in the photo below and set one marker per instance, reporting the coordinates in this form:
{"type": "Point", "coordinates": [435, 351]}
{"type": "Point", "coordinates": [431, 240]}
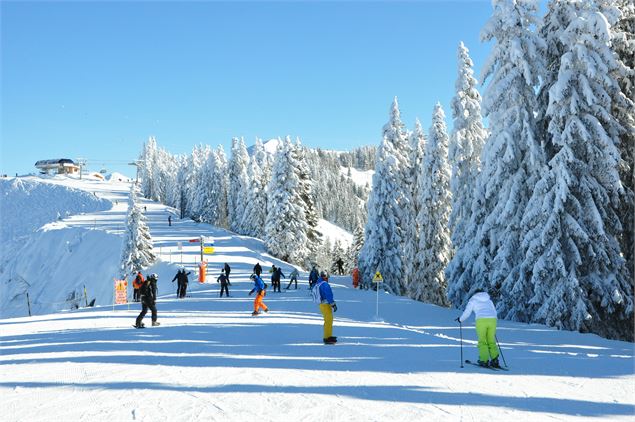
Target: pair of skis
{"type": "Point", "coordinates": [500, 368]}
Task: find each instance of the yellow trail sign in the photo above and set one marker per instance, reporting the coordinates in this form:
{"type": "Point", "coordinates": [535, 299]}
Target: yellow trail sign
{"type": "Point", "coordinates": [208, 249]}
{"type": "Point", "coordinates": [378, 278]}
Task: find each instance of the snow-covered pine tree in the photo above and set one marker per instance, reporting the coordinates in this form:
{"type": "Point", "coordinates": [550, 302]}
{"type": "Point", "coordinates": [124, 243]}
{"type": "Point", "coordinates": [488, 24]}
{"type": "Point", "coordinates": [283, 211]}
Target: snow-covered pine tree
{"type": "Point", "coordinates": [285, 226]}
{"type": "Point", "coordinates": [169, 172]}
{"type": "Point", "coordinates": [198, 185]}
{"type": "Point", "coordinates": [572, 256]}
{"type": "Point", "coordinates": [410, 186]}
{"type": "Point", "coordinates": [323, 254]}
{"type": "Point", "coordinates": [417, 151]}
{"type": "Point", "coordinates": [221, 186]}
{"type": "Point", "coordinates": [212, 194]}
{"type": "Point", "coordinates": [384, 234]}
{"type": "Point", "coordinates": [182, 165]}
{"type": "Point", "coordinates": [512, 157]}
{"type": "Point", "coordinates": [148, 169]}
{"type": "Point", "coordinates": [357, 245]}
{"type": "Point", "coordinates": [238, 184]}
{"type": "Point", "coordinates": [623, 43]}
{"type": "Point", "coordinates": [256, 206]}
{"type": "Point", "coordinates": [466, 144]}
{"type": "Point", "coordinates": [306, 192]}
{"type": "Point", "coordinates": [136, 252]}
{"type": "Point", "coordinates": [434, 248]}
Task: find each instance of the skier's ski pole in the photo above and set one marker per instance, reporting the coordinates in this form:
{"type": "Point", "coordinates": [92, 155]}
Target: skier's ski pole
{"type": "Point", "coordinates": [500, 350]}
{"type": "Point", "coordinates": [461, 332]}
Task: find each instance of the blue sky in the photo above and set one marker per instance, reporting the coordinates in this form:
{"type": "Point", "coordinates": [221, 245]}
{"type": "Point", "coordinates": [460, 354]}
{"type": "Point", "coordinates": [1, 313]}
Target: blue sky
{"type": "Point", "coordinates": [94, 80]}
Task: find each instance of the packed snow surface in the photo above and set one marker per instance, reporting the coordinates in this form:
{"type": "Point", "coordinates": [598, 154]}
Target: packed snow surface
{"type": "Point", "coordinates": [396, 359]}
{"type": "Point", "coordinates": [361, 178]}
{"type": "Point", "coordinates": [334, 233]}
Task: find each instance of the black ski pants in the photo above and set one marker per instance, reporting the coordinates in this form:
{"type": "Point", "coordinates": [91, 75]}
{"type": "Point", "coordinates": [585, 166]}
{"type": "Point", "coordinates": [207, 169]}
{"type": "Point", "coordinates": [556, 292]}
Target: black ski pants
{"type": "Point", "coordinates": [183, 290]}
{"type": "Point", "coordinates": [145, 305]}
{"type": "Point", "coordinates": [224, 287]}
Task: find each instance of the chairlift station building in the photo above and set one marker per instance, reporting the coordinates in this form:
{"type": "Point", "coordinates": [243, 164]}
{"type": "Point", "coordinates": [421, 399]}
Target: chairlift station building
{"type": "Point", "coordinates": [57, 166]}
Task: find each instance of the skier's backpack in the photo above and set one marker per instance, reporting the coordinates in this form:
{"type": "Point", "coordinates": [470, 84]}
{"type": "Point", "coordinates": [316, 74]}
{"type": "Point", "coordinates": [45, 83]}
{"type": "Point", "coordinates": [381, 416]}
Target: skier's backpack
{"type": "Point", "coordinates": [138, 281]}
{"type": "Point", "coordinates": [315, 293]}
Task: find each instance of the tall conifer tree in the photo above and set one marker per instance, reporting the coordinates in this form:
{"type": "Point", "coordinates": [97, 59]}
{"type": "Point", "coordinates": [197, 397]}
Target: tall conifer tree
{"type": "Point", "coordinates": [573, 266]}
{"type": "Point", "coordinates": [434, 249]}
{"type": "Point", "coordinates": [512, 157]}
{"type": "Point", "coordinates": [136, 253]}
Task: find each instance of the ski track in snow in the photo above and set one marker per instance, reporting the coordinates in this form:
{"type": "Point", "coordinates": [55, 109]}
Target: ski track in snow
{"type": "Point", "coordinates": [210, 360]}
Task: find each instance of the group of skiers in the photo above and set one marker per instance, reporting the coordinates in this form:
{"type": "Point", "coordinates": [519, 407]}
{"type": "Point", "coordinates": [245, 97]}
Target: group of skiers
{"type": "Point", "coordinates": [320, 290]}
{"type": "Point", "coordinates": [181, 282]}
{"type": "Point", "coordinates": [145, 291]}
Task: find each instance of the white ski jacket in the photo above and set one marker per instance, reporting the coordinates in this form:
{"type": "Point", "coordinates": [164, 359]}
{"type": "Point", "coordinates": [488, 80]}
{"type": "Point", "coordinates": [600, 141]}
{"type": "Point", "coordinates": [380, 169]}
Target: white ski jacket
{"type": "Point", "coordinates": [481, 305]}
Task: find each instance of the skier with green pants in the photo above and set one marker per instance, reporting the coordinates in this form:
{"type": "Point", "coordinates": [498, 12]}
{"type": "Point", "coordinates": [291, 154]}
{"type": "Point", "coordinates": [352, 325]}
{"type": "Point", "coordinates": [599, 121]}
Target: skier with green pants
{"type": "Point", "coordinates": [485, 314]}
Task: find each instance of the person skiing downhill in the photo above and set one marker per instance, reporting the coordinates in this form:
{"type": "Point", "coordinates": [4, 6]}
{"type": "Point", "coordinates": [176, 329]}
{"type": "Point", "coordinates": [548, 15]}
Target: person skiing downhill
{"type": "Point", "coordinates": [224, 282]}
{"type": "Point", "coordinates": [485, 315]}
{"type": "Point", "coordinates": [260, 289]}
{"type": "Point", "coordinates": [322, 291]}
{"type": "Point", "coordinates": [293, 277]}
{"type": "Point", "coordinates": [148, 301]}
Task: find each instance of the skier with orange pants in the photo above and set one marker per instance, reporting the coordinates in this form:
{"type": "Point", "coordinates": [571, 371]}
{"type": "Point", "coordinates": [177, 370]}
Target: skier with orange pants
{"type": "Point", "coordinates": [355, 277]}
{"type": "Point", "coordinates": [260, 288]}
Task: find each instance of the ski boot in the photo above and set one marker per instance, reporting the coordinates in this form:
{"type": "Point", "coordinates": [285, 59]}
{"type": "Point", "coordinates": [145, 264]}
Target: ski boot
{"type": "Point", "coordinates": [494, 363]}
{"type": "Point", "coordinates": [329, 340]}
{"type": "Point", "coordinates": [155, 323]}
{"type": "Point", "coordinates": [142, 325]}
{"type": "Point", "coordinates": [483, 363]}
{"type": "Point", "coordinates": [254, 313]}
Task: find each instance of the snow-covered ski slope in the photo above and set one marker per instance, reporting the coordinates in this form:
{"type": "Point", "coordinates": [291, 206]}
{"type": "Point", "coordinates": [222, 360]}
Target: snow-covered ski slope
{"type": "Point", "coordinates": [210, 360]}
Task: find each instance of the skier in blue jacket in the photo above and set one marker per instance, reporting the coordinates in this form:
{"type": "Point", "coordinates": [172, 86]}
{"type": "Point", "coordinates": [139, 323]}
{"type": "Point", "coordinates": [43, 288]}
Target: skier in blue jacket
{"type": "Point", "coordinates": [327, 306]}
{"type": "Point", "coordinates": [260, 288]}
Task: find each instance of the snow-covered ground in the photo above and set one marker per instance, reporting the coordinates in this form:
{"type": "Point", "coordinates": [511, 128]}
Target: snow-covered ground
{"type": "Point", "coordinates": [361, 178]}
{"type": "Point", "coordinates": [335, 233]}
{"type": "Point", "coordinates": [211, 360]}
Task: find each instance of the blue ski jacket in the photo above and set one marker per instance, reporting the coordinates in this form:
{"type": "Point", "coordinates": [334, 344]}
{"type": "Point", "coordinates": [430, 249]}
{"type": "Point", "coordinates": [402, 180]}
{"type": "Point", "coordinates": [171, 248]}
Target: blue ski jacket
{"type": "Point", "coordinates": [326, 294]}
{"type": "Point", "coordinates": [259, 285]}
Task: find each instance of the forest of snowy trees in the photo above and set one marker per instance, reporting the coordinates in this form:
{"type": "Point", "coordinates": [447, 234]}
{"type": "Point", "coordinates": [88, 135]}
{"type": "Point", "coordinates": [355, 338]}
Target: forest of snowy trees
{"type": "Point", "coordinates": [536, 208]}
{"type": "Point", "coordinates": [278, 197]}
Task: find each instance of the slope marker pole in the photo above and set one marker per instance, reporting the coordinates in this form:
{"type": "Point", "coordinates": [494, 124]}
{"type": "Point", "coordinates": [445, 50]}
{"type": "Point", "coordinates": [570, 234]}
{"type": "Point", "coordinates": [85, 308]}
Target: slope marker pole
{"type": "Point", "coordinates": [461, 332]}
